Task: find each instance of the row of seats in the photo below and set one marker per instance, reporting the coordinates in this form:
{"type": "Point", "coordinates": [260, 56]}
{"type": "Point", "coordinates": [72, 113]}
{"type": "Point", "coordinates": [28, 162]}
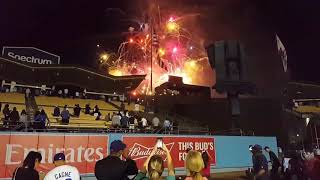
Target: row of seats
{"type": "Point", "coordinates": [307, 109]}
{"type": "Point", "coordinates": [12, 98]}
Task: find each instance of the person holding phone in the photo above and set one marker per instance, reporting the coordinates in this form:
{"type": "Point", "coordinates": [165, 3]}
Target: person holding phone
{"type": "Point", "coordinates": [154, 165]}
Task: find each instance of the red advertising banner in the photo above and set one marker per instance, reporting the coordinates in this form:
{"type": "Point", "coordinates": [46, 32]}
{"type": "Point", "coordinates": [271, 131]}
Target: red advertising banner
{"type": "Point", "coordinates": [82, 151]}
{"type": "Point", "coordinates": [141, 147]}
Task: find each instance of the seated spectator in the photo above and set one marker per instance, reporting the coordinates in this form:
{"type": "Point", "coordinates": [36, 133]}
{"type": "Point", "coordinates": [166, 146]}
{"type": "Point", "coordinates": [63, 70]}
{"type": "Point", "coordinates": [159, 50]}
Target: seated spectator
{"type": "Point", "coordinates": [60, 93]}
{"type": "Point", "coordinates": [131, 121]}
{"type": "Point", "coordinates": [116, 120]}
{"type": "Point", "coordinates": [6, 114]}
{"type": "Point", "coordinates": [107, 118]}
{"type": "Point", "coordinates": [65, 115]}
{"type": "Point", "coordinates": [112, 167]}
{"type": "Point", "coordinates": [24, 120]}
{"type": "Point", "coordinates": [155, 122]}
{"type": "Point", "coordinates": [96, 112]}
{"type": "Point", "coordinates": [154, 166]}
{"type": "Point", "coordinates": [136, 107]}
{"type": "Point", "coordinates": [65, 92]}
{"type": "Point", "coordinates": [56, 111]}
{"type": "Point", "coordinates": [76, 110]}
{"type": "Point", "coordinates": [194, 166]}
{"type": "Point", "coordinates": [124, 121]}
{"type": "Point", "coordinates": [41, 120]}
{"type": "Point", "coordinates": [87, 109]}
{"type": "Point", "coordinates": [77, 94]}
{"type": "Point", "coordinates": [14, 117]}
{"type": "Point", "coordinates": [27, 94]}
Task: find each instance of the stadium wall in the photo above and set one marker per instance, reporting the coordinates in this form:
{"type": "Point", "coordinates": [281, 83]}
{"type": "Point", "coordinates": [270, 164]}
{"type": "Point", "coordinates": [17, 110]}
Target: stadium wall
{"type": "Point", "coordinates": [230, 153]}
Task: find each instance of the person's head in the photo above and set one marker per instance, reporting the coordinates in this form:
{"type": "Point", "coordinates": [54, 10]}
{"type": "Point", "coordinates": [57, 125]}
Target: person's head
{"type": "Point", "coordinates": [6, 106]}
{"type": "Point", "coordinates": [155, 167]}
{"type": "Point", "coordinates": [23, 112]}
{"type": "Point", "coordinates": [14, 109]}
{"type": "Point", "coordinates": [256, 149]}
{"type": "Point", "coordinates": [117, 148]}
{"type": "Point", "coordinates": [59, 159]}
{"type": "Point", "coordinates": [42, 112]}
{"type": "Point", "coordinates": [267, 149]}
{"type": "Point", "coordinates": [32, 160]}
{"type": "Point", "coordinates": [194, 164]}
{"type": "Point", "coordinates": [205, 158]}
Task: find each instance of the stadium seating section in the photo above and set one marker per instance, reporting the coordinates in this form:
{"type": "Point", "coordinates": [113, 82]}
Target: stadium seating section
{"type": "Point", "coordinates": [84, 121]}
{"type": "Point", "coordinates": [14, 100]}
{"type": "Point", "coordinates": [307, 109]}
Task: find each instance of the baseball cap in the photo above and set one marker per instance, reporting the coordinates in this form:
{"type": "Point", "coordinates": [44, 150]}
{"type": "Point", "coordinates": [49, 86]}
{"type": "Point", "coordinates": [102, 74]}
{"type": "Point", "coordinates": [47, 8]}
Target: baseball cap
{"type": "Point", "coordinates": [117, 146]}
{"type": "Point", "coordinates": [59, 157]}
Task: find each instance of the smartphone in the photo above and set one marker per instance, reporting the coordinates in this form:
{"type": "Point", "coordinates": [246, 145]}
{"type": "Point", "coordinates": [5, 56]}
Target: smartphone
{"type": "Point", "coordinates": [159, 143]}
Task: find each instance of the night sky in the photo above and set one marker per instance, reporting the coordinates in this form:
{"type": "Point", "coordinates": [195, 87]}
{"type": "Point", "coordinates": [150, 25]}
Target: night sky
{"type": "Point", "coordinates": [73, 28]}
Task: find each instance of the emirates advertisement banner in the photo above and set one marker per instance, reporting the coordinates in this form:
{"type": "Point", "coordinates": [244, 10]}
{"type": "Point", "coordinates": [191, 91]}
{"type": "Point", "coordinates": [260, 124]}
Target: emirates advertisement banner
{"type": "Point", "coordinates": [140, 148]}
{"type": "Point", "coordinates": [82, 151]}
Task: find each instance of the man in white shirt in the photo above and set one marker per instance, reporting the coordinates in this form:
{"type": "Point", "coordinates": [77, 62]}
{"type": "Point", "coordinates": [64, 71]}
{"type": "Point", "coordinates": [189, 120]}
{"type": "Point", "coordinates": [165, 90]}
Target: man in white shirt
{"type": "Point", "coordinates": [155, 122]}
{"type": "Point", "coordinates": [144, 122]}
{"type": "Point", "coordinates": [62, 171]}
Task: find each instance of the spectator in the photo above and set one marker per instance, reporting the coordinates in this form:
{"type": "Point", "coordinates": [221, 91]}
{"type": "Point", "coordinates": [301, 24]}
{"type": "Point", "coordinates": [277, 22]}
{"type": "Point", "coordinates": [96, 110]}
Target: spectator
{"type": "Point", "coordinates": [116, 120]}
{"type": "Point", "coordinates": [155, 122]}
{"type": "Point", "coordinates": [108, 117]}
{"type": "Point", "coordinates": [96, 112]}
{"type": "Point", "coordinates": [112, 167]}
{"type": "Point", "coordinates": [28, 168]}
{"type": "Point", "coordinates": [87, 109]}
{"type": "Point", "coordinates": [124, 121]}
{"type": "Point", "coordinates": [56, 111]}
{"type": "Point", "coordinates": [194, 166]}
{"type": "Point", "coordinates": [67, 171]}
{"type": "Point", "coordinates": [24, 119]}
{"type": "Point", "coordinates": [65, 92]}
{"type": "Point", "coordinates": [28, 91]}
{"type": "Point", "coordinates": [136, 107]}
{"type": "Point", "coordinates": [166, 125]}
{"type": "Point", "coordinates": [6, 114]}
{"type": "Point", "coordinates": [274, 174]}
{"type": "Point", "coordinates": [14, 117]}
{"type": "Point", "coordinates": [144, 122]}
{"type": "Point", "coordinates": [154, 166]}
{"type": "Point", "coordinates": [260, 163]}
{"type": "Point", "coordinates": [76, 110]}
{"type": "Point", "coordinates": [65, 115]}
{"type": "Point", "coordinates": [206, 160]}
{"type": "Point", "coordinates": [60, 93]}
{"type": "Point", "coordinates": [41, 120]}
{"type": "Point", "coordinates": [77, 94]}
{"type": "Point", "coordinates": [131, 121]}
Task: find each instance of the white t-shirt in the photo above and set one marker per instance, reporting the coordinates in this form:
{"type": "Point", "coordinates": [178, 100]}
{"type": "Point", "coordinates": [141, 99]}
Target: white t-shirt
{"type": "Point", "coordinates": [144, 122]}
{"type": "Point", "coordinates": [64, 172]}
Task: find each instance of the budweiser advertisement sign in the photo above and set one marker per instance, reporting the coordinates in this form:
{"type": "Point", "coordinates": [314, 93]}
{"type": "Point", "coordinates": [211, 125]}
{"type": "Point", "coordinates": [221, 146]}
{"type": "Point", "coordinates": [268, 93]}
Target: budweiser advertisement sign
{"type": "Point", "coordinates": [82, 151]}
{"type": "Point", "coordinates": [140, 148]}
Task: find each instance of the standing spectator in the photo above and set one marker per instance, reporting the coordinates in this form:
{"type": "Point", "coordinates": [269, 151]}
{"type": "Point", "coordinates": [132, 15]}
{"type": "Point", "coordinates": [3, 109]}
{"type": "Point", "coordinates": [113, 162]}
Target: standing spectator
{"type": "Point", "coordinates": [28, 168]}
{"type": "Point", "coordinates": [87, 109]}
{"type": "Point", "coordinates": [116, 120]}
{"type": "Point", "coordinates": [65, 92]}
{"type": "Point", "coordinates": [6, 114]}
{"type": "Point", "coordinates": [260, 163]}
{"type": "Point", "coordinates": [144, 122]}
{"type": "Point", "coordinates": [59, 162]}
{"type": "Point", "coordinates": [124, 121]}
{"type": "Point", "coordinates": [194, 166]}
{"type": "Point", "coordinates": [206, 160]}
{"type": "Point", "coordinates": [166, 125]}
{"type": "Point", "coordinates": [28, 91]}
{"type": "Point", "coordinates": [155, 123]}
{"type": "Point", "coordinates": [60, 93]}
{"type": "Point", "coordinates": [14, 117]}
{"type": "Point", "coordinates": [274, 174]}
{"type": "Point", "coordinates": [65, 115]}
{"type": "Point", "coordinates": [24, 120]}
{"type": "Point", "coordinates": [56, 111]}
{"type": "Point", "coordinates": [112, 167]}
{"type": "Point", "coordinates": [153, 166]}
